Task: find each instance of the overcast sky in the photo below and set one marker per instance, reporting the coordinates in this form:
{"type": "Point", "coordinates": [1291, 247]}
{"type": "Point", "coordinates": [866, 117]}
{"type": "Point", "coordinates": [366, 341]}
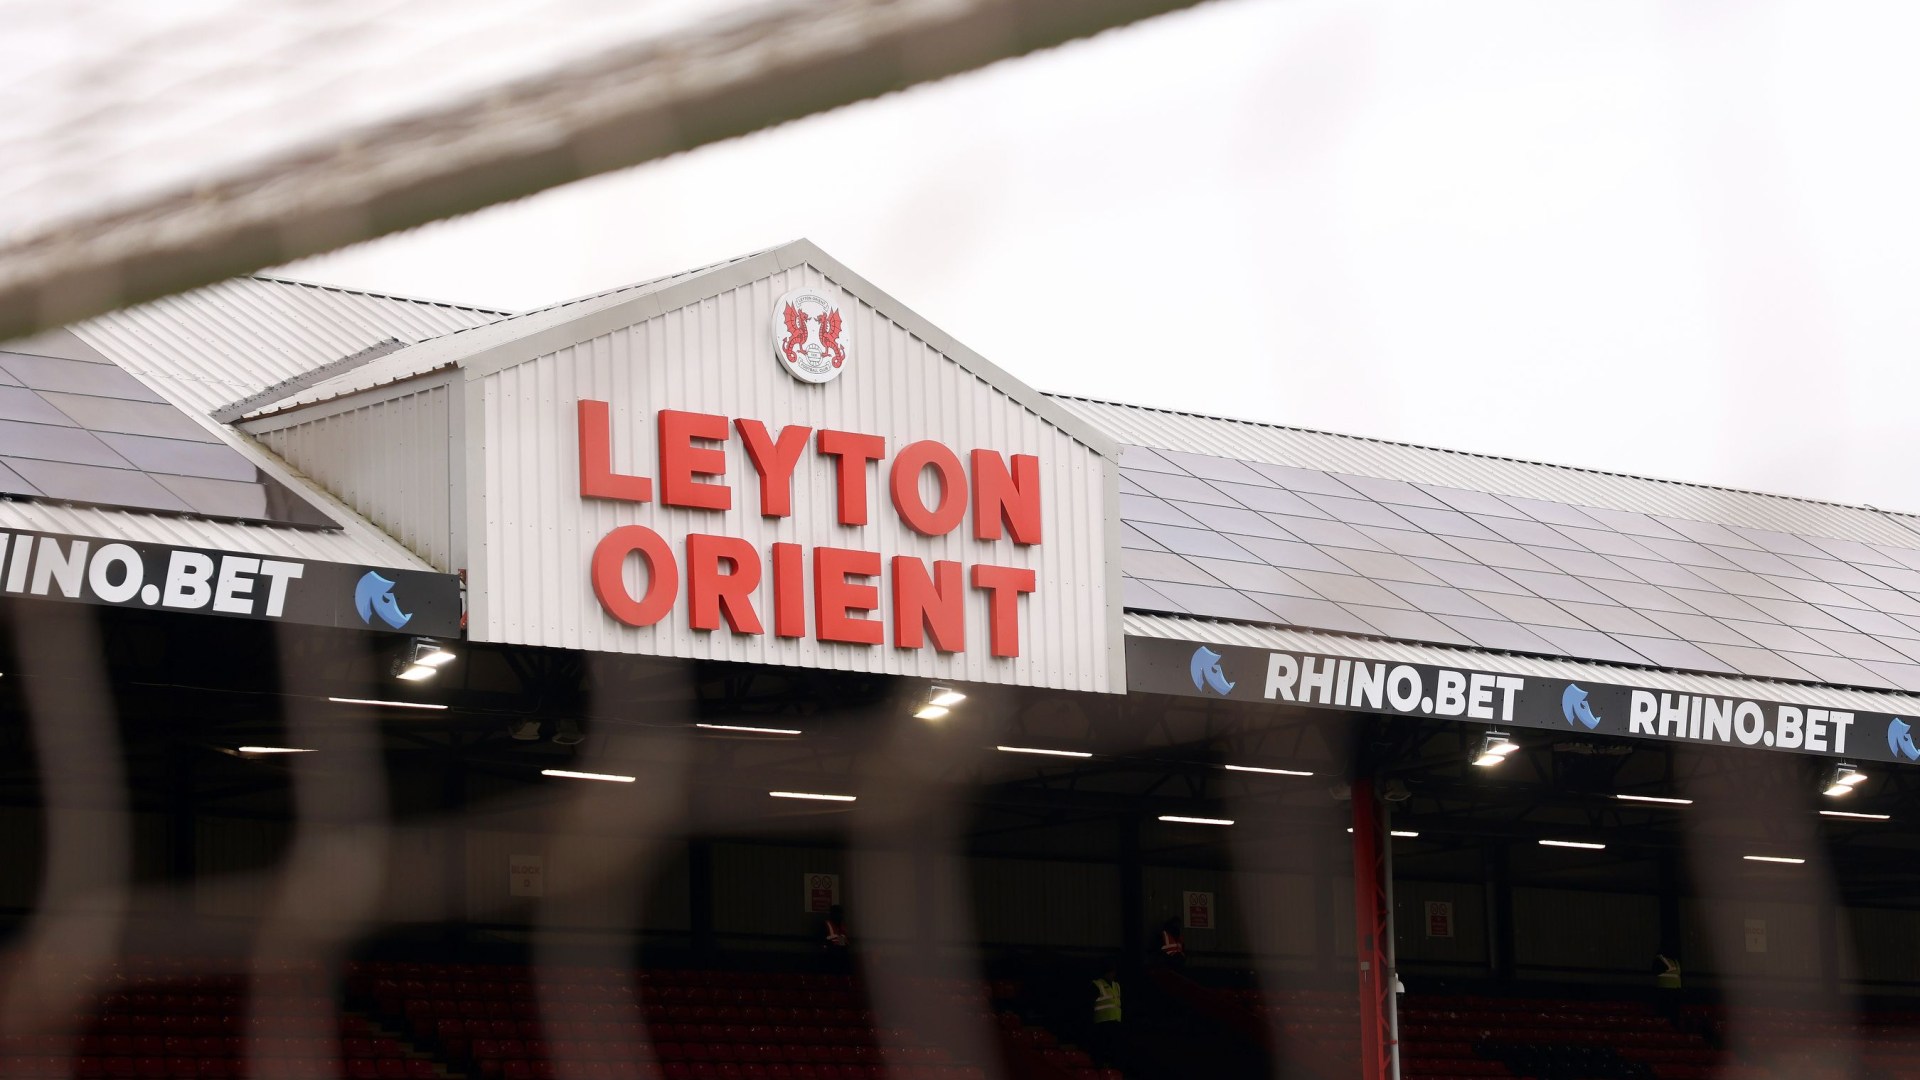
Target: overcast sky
{"type": "Point", "coordinates": [1676, 239]}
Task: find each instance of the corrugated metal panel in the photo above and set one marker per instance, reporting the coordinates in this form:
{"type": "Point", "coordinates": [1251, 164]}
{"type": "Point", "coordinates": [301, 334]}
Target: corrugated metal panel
{"type": "Point", "coordinates": [1617, 931]}
{"type": "Point", "coordinates": [388, 460]}
{"type": "Point", "coordinates": [1257, 913]}
{"type": "Point", "coordinates": [208, 347]}
{"type": "Point", "coordinates": [1273, 637]}
{"type": "Point", "coordinates": [1244, 440]}
{"type": "Point", "coordinates": [442, 352]}
{"type": "Point", "coordinates": [757, 887]}
{"type": "Point", "coordinates": [1058, 904]}
{"type": "Point", "coordinates": [1893, 945]}
{"type": "Point", "coordinates": [1715, 938]}
{"type": "Point", "coordinates": [532, 535]}
{"type": "Point", "coordinates": [1468, 945]}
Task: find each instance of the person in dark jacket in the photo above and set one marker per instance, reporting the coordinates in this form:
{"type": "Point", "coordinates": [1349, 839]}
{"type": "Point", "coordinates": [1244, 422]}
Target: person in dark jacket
{"type": "Point", "coordinates": [836, 945]}
{"type": "Point", "coordinates": [1173, 951]}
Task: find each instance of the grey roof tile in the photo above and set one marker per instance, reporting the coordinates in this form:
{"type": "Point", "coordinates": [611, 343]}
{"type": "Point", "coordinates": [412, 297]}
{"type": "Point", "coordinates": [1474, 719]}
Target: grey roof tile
{"type": "Point", "coordinates": [1409, 625]}
{"type": "Point", "coordinates": [1253, 577]}
{"type": "Point", "coordinates": [1302, 480]}
{"type": "Point", "coordinates": [1607, 543]}
{"type": "Point", "coordinates": [1870, 622]}
{"type": "Point", "coordinates": [1686, 552]}
{"type": "Point", "coordinates": [1163, 566]}
{"type": "Point", "coordinates": [1552, 513]}
{"type": "Point", "coordinates": [1502, 554]}
{"type": "Point", "coordinates": [1348, 589]}
{"type": "Point", "coordinates": [1530, 609]}
{"type": "Point", "coordinates": [1314, 531]}
{"type": "Point", "coordinates": [1358, 511]}
{"type": "Point", "coordinates": [1398, 492]}
{"type": "Point", "coordinates": [1188, 489]}
{"type": "Point", "coordinates": [1139, 457]}
{"type": "Point", "coordinates": [1290, 554]}
{"type": "Point", "coordinates": [1412, 544]}
{"type": "Point", "coordinates": [1470, 576]}
{"type": "Point", "coordinates": [1720, 604]}
{"type": "Point", "coordinates": [1640, 597]}
{"type": "Point", "coordinates": [1138, 508]}
{"type": "Point", "coordinates": [1139, 596]}
{"type": "Point", "coordinates": [1526, 531]}
{"type": "Point", "coordinates": [1498, 634]}
{"type": "Point", "coordinates": [1446, 522]}
{"type": "Point", "coordinates": [1761, 663]}
{"type": "Point", "coordinates": [1780, 638]}
{"type": "Point", "coordinates": [1904, 676]}
{"type": "Point", "coordinates": [1472, 502]}
{"type": "Point", "coordinates": [1213, 468]}
{"type": "Point", "coordinates": [1211, 601]}
{"type": "Point", "coordinates": [1440, 600]}
{"type": "Point", "coordinates": [1699, 628]}
{"type": "Point", "coordinates": [1382, 565]}
{"type": "Point", "coordinates": [1233, 519]}
{"type": "Point", "coordinates": [1742, 583]}
{"type": "Point", "coordinates": [1315, 614]}
{"type": "Point", "coordinates": [1856, 646]}
{"type": "Point", "coordinates": [1194, 541]}
{"type": "Point", "coordinates": [1268, 499]}
{"type": "Point", "coordinates": [1588, 645]}
{"type": "Point", "coordinates": [1839, 670]}
{"type": "Point", "coordinates": [1667, 652]}
{"type": "Point", "coordinates": [1584, 564]}
{"type": "Point", "coordinates": [1613, 619]}
{"type": "Point", "coordinates": [1798, 613]}
{"type": "Point", "coordinates": [1557, 586]}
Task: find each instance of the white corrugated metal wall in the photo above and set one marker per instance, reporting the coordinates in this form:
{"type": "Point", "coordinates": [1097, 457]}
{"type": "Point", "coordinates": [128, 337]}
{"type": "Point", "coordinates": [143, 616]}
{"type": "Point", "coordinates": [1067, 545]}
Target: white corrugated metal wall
{"type": "Point", "coordinates": [387, 456]}
{"type": "Point", "coordinates": [530, 579]}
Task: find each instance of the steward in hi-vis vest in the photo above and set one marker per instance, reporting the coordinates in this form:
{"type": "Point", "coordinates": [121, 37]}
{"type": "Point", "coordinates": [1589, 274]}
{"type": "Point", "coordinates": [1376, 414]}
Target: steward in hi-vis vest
{"type": "Point", "coordinates": [1106, 1000]}
{"type": "Point", "coordinates": [1666, 972]}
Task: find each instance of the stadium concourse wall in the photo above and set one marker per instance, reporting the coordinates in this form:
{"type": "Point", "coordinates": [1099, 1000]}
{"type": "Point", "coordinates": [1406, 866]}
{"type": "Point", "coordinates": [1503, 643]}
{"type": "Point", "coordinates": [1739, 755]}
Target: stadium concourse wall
{"type": "Point", "coordinates": [1296, 923]}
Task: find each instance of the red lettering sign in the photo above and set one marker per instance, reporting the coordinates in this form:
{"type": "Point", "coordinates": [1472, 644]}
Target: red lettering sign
{"type": "Point", "coordinates": [924, 603]}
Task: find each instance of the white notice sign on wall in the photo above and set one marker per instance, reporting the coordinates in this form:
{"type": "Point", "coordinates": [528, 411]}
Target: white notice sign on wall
{"type": "Point", "coordinates": [1756, 935]}
{"type": "Point", "coordinates": [526, 875]}
{"type": "Point", "coordinates": [819, 892]}
{"type": "Point", "coordinates": [1439, 918]}
{"type": "Point", "coordinates": [1199, 907]}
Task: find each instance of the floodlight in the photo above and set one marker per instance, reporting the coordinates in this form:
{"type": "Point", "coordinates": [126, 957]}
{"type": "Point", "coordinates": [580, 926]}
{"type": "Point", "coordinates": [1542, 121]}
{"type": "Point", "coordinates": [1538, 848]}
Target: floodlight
{"type": "Point", "coordinates": [945, 697]}
{"type": "Point", "coordinates": [1493, 749]}
{"type": "Point", "coordinates": [422, 659]}
{"type": "Point", "coordinates": [1841, 780]}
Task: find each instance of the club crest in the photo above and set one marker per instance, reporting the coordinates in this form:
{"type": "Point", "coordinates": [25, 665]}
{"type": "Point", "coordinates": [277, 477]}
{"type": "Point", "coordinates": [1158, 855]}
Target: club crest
{"type": "Point", "coordinates": [807, 330]}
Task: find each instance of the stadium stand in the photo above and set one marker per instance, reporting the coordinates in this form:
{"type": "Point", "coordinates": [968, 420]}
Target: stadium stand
{"type": "Point", "coordinates": [670, 1025]}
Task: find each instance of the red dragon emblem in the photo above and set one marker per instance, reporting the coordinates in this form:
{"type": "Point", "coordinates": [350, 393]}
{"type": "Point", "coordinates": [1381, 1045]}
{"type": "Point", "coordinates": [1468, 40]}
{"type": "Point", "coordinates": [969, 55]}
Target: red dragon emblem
{"type": "Point", "coordinates": [796, 333]}
{"type": "Point", "coordinates": [830, 337]}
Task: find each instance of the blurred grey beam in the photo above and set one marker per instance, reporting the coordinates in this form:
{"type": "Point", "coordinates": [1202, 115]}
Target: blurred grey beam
{"type": "Point", "coordinates": [632, 105]}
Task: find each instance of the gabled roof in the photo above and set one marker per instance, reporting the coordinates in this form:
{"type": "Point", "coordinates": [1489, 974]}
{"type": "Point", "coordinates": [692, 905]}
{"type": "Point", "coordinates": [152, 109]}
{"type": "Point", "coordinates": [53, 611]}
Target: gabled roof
{"type": "Point", "coordinates": [201, 349]}
{"type": "Point", "coordinates": [1260, 524]}
{"type": "Point", "coordinates": [506, 342]}
{"type": "Point", "coordinates": [211, 346]}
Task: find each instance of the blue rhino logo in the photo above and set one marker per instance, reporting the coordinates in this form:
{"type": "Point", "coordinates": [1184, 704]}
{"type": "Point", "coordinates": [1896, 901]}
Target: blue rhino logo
{"type": "Point", "coordinates": [374, 596]}
{"type": "Point", "coordinates": [1573, 702]}
{"type": "Point", "coordinates": [1900, 740]}
{"type": "Point", "coordinates": [1206, 672]}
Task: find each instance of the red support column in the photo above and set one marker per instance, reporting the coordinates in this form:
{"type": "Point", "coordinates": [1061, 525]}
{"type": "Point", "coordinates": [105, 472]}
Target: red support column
{"type": "Point", "coordinates": [1371, 926]}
